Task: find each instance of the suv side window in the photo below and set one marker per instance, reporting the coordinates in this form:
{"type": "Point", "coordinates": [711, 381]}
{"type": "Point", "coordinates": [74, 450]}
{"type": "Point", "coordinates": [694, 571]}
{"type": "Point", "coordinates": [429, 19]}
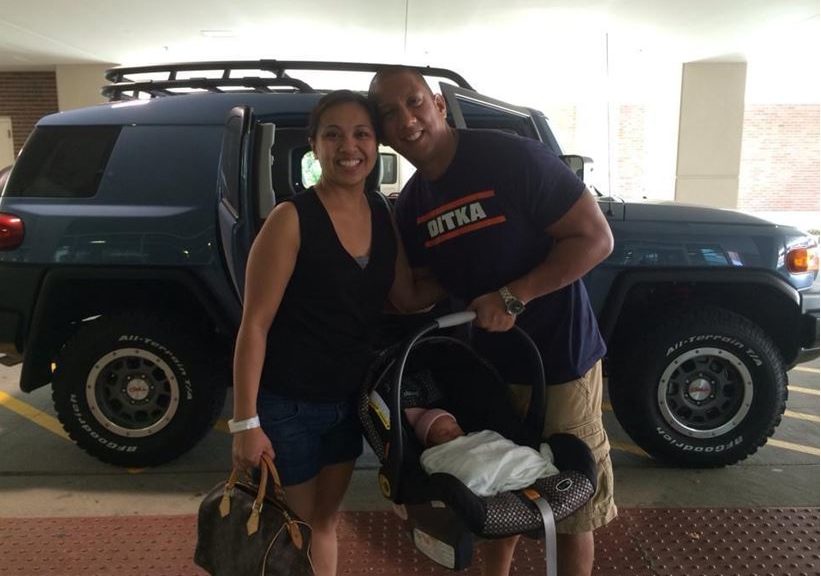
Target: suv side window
{"type": "Point", "coordinates": [483, 117]}
{"type": "Point", "coordinates": [63, 162]}
{"type": "Point", "coordinates": [311, 170]}
{"type": "Point", "coordinates": [231, 162]}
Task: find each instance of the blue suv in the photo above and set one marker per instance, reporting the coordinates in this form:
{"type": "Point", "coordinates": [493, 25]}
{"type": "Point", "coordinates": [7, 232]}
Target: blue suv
{"type": "Point", "coordinates": [125, 228]}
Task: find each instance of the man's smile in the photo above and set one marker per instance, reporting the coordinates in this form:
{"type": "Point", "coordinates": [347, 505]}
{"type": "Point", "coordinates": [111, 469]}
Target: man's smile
{"type": "Point", "coordinates": [413, 136]}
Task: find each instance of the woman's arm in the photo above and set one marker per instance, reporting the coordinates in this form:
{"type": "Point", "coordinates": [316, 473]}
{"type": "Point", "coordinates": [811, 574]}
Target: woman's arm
{"type": "Point", "coordinates": [413, 289]}
{"type": "Point", "coordinates": [270, 265]}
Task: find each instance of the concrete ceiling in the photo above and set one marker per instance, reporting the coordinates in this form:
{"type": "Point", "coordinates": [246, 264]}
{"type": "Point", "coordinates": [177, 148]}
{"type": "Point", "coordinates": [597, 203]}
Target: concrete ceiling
{"type": "Point", "coordinates": [518, 35]}
{"type": "Point", "coordinates": [49, 32]}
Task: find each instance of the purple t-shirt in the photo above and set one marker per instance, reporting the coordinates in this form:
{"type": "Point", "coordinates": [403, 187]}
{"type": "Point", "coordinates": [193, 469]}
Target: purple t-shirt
{"type": "Point", "coordinates": [482, 225]}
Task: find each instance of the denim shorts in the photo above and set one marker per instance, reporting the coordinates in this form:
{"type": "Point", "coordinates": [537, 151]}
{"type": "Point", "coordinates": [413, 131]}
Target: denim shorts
{"type": "Point", "coordinates": [308, 435]}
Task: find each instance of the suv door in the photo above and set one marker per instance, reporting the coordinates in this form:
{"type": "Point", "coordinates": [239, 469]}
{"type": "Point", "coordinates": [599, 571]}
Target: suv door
{"type": "Point", "coordinates": [470, 109]}
{"type": "Point", "coordinates": [235, 210]}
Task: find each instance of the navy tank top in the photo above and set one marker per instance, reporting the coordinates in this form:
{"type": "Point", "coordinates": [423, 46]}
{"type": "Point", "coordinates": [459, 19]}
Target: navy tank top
{"type": "Point", "coordinates": [321, 341]}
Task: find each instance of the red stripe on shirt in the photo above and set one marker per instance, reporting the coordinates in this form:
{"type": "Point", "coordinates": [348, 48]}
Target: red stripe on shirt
{"type": "Point", "coordinates": [464, 230]}
{"type": "Point", "coordinates": [455, 204]}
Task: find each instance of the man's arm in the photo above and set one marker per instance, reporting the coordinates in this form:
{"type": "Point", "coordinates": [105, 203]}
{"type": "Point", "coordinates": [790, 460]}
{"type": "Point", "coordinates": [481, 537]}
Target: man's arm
{"type": "Point", "coordinates": [582, 239]}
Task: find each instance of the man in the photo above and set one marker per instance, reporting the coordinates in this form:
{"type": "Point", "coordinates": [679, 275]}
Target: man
{"type": "Point", "coordinates": [504, 225]}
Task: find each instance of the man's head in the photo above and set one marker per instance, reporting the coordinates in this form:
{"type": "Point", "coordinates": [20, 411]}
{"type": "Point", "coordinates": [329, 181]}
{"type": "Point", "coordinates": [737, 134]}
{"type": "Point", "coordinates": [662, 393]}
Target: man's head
{"type": "Point", "coordinates": [412, 118]}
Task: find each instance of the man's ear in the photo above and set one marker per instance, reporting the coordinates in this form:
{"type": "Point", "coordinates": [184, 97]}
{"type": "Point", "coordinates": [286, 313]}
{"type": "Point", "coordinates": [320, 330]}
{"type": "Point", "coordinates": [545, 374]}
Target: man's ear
{"type": "Point", "coordinates": [441, 105]}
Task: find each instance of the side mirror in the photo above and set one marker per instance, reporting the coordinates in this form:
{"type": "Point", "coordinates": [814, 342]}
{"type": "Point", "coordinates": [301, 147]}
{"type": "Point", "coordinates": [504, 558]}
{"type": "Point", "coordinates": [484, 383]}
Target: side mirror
{"type": "Point", "coordinates": [581, 166]}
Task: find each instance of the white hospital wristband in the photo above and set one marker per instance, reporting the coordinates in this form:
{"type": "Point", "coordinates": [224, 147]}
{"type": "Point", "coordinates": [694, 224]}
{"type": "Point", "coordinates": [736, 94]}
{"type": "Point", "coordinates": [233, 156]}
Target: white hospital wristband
{"type": "Point", "coordinates": [235, 426]}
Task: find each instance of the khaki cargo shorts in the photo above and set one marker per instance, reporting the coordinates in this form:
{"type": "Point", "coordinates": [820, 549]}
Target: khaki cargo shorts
{"type": "Point", "coordinates": [575, 408]}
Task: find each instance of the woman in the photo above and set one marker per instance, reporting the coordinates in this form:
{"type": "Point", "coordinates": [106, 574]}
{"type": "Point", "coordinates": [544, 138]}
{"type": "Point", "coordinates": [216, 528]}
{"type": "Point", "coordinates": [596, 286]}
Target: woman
{"type": "Point", "coordinates": [317, 280]}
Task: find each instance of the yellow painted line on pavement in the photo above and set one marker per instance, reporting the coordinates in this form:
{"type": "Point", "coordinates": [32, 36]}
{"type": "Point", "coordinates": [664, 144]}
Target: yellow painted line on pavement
{"type": "Point", "coordinates": [633, 449]}
{"type": "Point", "coordinates": [801, 390]}
{"type": "Point", "coordinates": [39, 417]}
{"type": "Point", "coordinates": [628, 447]}
{"type": "Point", "coordinates": [794, 447]}
{"type": "Point", "coordinates": [53, 425]}
{"type": "Point", "coordinates": [623, 446]}
{"type": "Point", "coordinates": [801, 416]}
{"type": "Point", "coordinates": [807, 369]}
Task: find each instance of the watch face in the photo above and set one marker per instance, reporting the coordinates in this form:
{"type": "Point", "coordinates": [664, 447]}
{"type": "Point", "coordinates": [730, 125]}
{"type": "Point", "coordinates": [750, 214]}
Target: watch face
{"type": "Point", "coordinates": [515, 307]}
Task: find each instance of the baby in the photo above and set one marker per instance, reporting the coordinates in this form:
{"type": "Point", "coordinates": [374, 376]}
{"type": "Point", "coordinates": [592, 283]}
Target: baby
{"type": "Point", "coordinates": [485, 461]}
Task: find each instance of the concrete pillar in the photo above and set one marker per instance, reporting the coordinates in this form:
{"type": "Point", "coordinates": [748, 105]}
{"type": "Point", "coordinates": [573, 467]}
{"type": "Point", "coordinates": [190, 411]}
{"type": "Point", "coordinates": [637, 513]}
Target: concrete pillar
{"type": "Point", "coordinates": [79, 85]}
{"type": "Point", "coordinates": [710, 126]}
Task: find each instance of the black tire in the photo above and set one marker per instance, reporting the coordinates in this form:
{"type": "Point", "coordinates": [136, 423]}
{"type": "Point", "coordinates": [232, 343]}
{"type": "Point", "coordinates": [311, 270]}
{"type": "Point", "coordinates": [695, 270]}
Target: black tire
{"type": "Point", "coordinates": [704, 389]}
{"type": "Point", "coordinates": [136, 391]}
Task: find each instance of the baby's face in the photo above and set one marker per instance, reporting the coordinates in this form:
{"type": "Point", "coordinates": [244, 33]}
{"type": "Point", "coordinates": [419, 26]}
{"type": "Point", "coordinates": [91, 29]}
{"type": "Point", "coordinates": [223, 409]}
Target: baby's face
{"type": "Point", "coordinates": [443, 430]}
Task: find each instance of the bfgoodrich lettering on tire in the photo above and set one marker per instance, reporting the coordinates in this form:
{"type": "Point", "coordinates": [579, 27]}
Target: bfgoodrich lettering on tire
{"type": "Point", "coordinates": [136, 391]}
{"type": "Point", "coordinates": [706, 388]}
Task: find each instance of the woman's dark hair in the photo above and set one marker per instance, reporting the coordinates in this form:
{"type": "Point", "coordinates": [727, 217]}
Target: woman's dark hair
{"type": "Point", "coordinates": [335, 98]}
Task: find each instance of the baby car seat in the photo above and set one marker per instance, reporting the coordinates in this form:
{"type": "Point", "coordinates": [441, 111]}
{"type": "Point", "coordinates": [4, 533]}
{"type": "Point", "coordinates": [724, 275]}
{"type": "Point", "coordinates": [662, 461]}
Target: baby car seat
{"type": "Point", "coordinates": [442, 515]}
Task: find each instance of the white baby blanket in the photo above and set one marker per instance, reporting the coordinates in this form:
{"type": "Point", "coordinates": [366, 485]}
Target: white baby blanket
{"type": "Point", "coordinates": [488, 463]}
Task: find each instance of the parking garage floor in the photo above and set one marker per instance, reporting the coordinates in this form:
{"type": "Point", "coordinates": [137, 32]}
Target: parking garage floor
{"type": "Point", "coordinates": [64, 513]}
{"type": "Point", "coordinates": [640, 542]}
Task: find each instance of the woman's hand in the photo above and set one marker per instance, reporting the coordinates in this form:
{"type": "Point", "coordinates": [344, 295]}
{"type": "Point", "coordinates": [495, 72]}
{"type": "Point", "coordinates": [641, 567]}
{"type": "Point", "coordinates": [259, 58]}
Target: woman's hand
{"type": "Point", "coordinates": [248, 448]}
{"type": "Point", "coordinates": [491, 313]}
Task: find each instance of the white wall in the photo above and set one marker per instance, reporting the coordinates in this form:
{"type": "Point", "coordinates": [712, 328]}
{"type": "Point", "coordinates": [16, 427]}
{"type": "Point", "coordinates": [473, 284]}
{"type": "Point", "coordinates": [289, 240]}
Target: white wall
{"type": "Point", "coordinates": [79, 85]}
{"type": "Point", "coordinates": [6, 142]}
{"type": "Point", "coordinates": [710, 127]}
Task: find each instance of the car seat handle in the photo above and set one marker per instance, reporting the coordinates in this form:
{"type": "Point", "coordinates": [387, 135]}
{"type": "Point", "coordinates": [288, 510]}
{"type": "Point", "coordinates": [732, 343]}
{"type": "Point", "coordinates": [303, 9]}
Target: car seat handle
{"type": "Point", "coordinates": [455, 319]}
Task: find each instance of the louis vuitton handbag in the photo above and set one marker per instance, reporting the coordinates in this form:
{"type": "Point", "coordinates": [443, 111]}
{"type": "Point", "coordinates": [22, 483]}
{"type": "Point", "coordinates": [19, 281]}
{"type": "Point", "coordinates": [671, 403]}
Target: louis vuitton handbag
{"type": "Point", "coordinates": [245, 529]}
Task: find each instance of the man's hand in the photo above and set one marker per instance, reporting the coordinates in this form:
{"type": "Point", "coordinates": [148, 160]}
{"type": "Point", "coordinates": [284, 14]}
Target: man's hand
{"type": "Point", "coordinates": [491, 313]}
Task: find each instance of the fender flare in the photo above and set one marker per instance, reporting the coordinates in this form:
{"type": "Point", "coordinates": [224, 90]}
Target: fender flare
{"type": "Point", "coordinates": [43, 337]}
{"type": "Point", "coordinates": [629, 279]}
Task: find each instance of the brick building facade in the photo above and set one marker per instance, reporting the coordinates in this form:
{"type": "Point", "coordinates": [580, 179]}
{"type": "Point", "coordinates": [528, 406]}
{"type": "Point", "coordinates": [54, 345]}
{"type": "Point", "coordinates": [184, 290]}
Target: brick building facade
{"type": "Point", "coordinates": [26, 97]}
{"type": "Point", "coordinates": [780, 159]}
{"type": "Point", "coordinates": [780, 169]}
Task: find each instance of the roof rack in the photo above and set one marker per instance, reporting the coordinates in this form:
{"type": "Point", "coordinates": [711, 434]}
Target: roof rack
{"type": "Point", "coordinates": [276, 79]}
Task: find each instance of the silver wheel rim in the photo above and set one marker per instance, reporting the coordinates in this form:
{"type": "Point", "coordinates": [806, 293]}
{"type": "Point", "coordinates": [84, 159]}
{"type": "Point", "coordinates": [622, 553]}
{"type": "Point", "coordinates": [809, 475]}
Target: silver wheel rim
{"type": "Point", "coordinates": [132, 392]}
{"type": "Point", "coordinates": [705, 392]}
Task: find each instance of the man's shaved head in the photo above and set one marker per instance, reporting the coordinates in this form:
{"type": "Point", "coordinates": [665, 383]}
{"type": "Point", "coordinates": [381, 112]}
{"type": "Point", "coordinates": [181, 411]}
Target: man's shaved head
{"type": "Point", "coordinates": [388, 71]}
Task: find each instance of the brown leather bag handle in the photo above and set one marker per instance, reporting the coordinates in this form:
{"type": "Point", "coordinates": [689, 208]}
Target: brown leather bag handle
{"type": "Point", "coordinates": [266, 468]}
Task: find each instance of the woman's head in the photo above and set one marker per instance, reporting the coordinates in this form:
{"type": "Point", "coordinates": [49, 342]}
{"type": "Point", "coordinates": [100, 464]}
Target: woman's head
{"type": "Point", "coordinates": [343, 138]}
{"type": "Point", "coordinates": [336, 98]}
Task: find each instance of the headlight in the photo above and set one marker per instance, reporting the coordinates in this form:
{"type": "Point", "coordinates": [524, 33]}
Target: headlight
{"type": "Point", "coordinates": [801, 259]}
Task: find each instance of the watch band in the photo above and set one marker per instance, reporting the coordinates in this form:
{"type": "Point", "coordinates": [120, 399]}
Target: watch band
{"type": "Point", "coordinates": [513, 305]}
{"type": "Point", "coordinates": [235, 426]}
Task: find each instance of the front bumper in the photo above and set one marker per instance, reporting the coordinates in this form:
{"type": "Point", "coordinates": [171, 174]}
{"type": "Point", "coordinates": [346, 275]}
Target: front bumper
{"type": "Point", "coordinates": [809, 325]}
{"type": "Point", "coordinates": [809, 331]}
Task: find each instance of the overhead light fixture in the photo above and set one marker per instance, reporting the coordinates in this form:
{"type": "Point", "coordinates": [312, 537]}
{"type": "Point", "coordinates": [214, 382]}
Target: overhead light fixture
{"type": "Point", "coordinates": [218, 33]}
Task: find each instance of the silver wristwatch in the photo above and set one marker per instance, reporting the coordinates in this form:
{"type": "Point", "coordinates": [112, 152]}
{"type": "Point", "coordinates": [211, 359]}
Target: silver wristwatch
{"type": "Point", "coordinates": [513, 305]}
